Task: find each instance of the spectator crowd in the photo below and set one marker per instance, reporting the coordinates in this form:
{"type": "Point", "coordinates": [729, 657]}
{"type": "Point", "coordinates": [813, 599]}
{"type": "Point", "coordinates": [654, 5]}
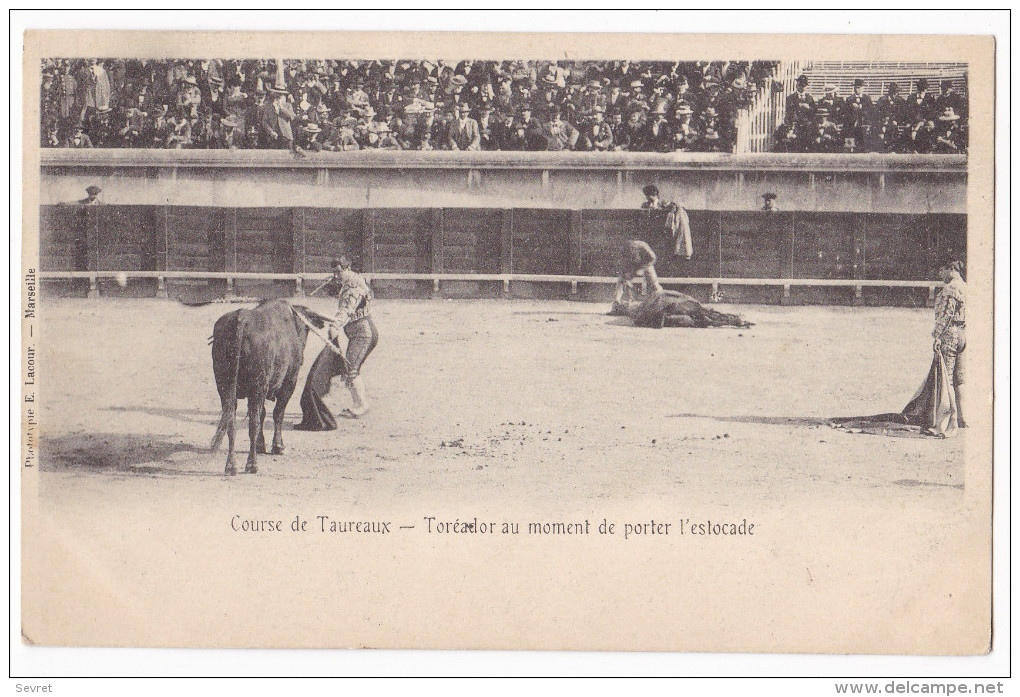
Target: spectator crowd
{"type": "Point", "coordinates": [922, 122]}
{"type": "Point", "coordinates": [341, 105]}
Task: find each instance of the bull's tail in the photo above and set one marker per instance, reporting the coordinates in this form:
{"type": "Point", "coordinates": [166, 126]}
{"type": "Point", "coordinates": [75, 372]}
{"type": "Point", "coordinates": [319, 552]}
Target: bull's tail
{"type": "Point", "coordinates": [230, 400]}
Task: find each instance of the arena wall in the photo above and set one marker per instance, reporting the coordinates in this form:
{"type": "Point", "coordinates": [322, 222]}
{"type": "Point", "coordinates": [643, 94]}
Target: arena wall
{"type": "Point", "coordinates": [908, 184]}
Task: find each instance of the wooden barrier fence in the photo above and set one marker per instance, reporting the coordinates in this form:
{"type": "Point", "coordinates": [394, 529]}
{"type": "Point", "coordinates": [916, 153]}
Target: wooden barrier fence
{"type": "Point", "coordinates": [208, 251]}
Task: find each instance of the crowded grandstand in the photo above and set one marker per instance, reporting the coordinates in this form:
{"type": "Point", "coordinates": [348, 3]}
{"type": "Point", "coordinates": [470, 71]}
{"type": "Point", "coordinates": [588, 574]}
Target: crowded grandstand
{"type": "Point", "coordinates": [344, 105]}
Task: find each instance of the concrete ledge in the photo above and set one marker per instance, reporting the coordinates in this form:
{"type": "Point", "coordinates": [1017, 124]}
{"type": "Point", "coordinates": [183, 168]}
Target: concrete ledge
{"type": "Point", "coordinates": [376, 159]}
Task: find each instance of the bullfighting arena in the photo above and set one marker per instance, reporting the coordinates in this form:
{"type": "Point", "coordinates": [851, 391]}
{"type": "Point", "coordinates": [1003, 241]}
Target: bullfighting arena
{"type": "Point", "coordinates": [527, 411]}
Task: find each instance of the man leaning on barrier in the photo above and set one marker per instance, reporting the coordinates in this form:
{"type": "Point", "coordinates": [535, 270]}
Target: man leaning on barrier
{"type": "Point", "coordinates": [93, 196]}
{"type": "Point", "coordinates": [677, 224]}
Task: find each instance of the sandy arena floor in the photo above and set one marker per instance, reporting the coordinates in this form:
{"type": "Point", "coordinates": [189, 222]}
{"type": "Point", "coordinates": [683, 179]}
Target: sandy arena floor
{"type": "Point", "coordinates": [519, 410]}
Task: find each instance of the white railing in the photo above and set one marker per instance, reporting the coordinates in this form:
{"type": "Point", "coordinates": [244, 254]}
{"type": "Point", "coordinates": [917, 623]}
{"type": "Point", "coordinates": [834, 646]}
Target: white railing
{"type": "Point", "coordinates": [300, 280]}
{"type": "Point", "coordinates": [757, 124]}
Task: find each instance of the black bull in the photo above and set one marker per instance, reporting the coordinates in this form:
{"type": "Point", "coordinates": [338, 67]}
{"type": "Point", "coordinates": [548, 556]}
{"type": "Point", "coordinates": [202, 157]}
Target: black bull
{"type": "Point", "coordinates": [257, 354]}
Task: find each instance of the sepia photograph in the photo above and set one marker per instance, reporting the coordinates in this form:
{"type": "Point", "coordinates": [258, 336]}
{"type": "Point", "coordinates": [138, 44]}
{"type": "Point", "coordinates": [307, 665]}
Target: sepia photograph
{"type": "Point", "coordinates": [518, 341]}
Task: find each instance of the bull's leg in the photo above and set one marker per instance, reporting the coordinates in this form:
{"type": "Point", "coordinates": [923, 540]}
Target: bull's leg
{"type": "Point", "coordinates": [261, 444]}
{"type": "Point", "coordinates": [278, 412]}
{"type": "Point", "coordinates": [256, 410]}
{"type": "Point", "coordinates": [231, 467]}
{"type": "Point", "coordinates": [282, 397]}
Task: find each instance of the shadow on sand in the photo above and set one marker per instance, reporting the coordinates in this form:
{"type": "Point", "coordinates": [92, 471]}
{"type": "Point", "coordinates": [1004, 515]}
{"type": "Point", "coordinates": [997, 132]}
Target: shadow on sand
{"type": "Point", "coordinates": [914, 482]}
{"type": "Point", "coordinates": [767, 420]}
{"type": "Point", "coordinates": [147, 455]}
{"type": "Point", "coordinates": [846, 424]}
{"type": "Point", "coordinates": [195, 416]}
{"type": "Point", "coordinates": [580, 313]}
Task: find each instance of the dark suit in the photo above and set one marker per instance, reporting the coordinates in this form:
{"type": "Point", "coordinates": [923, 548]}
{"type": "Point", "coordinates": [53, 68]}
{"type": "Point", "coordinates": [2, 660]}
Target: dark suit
{"type": "Point", "coordinates": [825, 139]}
{"type": "Point", "coordinates": [856, 114]}
{"type": "Point", "coordinates": [534, 134]}
{"type": "Point", "coordinates": [954, 100]}
{"type": "Point", "coordinates": [560, 135]}
{"type": "Point", "coordinates": [923, 140]}
{"type": "Point", "coordinates": [890, 106]}
{"type": "Point", "coordinates": [856, 109]}
{"type": "Point", "coordinates": [689, 98]}
{"type": "Point", "coordinates": [683, 136]}
{"type": "Point", "coordinates": [276, 130]}
{"type": "Point", "coordinates": [831, 102]}
{"type": "Point", "coordinates": [919, 108]}
{"type": "Point", "coordinates": [789, 138]}
{"type": "Point", "coordinates": [658, 139]}
{"type": "Point", "coordinates": [630, 136]}
{"type": "Point", "coordinates": [589, 100]}
{"type": "Point", "coordinates": [489, 133]}
{"type": "Point", "coordinates": [618, 105]}
{"type": "Point", "coordinates": [800, 107]}
{"type": "Point", "coordinates": [516, 139]}
{"type": "Point", "coordinates": [464, 135]}
{"type": "Point", "coordinates": [596, 136]}
{"type": "Point", "coordinates": [949, 140]}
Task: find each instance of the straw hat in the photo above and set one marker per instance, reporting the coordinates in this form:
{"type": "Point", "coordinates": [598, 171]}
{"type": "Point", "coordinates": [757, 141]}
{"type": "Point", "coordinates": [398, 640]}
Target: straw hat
{"type": "Point", "coordinates": [949, 114]}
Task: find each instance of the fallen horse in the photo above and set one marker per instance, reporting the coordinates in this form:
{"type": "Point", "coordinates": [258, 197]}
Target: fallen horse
{"type": "Point", "coordinates": [670, 308]}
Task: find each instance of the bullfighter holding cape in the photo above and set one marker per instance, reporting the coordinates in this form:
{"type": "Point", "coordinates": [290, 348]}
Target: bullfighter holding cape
{"type": "Point", "coordinates": [354, 319]}
{"type": "Point", "coordinates": [937, 406]}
